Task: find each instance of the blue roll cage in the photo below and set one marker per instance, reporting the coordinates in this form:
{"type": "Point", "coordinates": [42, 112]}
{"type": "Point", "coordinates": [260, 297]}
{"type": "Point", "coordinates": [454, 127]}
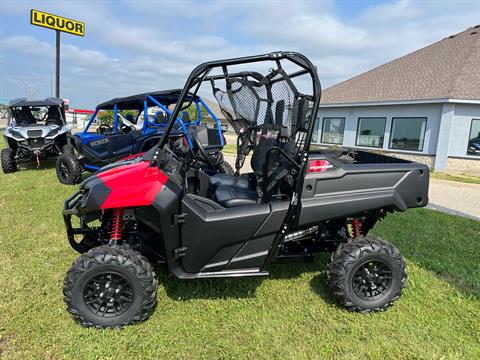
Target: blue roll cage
{"type": "Point", "coordinates": [145, 129]}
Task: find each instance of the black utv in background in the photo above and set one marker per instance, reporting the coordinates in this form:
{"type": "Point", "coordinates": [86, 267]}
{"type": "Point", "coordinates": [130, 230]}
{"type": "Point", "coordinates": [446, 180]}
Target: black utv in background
{"type": "Point", "coordinates": [36, 129]}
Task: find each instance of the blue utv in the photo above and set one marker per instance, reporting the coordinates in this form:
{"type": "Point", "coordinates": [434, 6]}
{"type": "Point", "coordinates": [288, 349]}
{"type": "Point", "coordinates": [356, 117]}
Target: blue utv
{"type": "Point", "coordinates": [135, 131]}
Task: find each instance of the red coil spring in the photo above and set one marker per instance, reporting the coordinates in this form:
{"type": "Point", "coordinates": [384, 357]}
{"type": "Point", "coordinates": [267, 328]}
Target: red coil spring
{"type": "Point", "coordinates": [356, 228]}
{"type": "Point", "coordinates": [117, 225]}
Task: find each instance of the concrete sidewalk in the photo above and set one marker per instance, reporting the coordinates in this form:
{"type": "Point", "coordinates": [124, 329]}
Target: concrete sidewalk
{"type": "Point", "coordinates": [448, 196]}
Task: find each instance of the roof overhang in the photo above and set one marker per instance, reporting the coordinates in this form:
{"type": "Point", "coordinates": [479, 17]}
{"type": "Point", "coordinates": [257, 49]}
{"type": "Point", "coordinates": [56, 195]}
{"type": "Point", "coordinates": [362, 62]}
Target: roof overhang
{"type": "Point", "coordinates": [402, 102]}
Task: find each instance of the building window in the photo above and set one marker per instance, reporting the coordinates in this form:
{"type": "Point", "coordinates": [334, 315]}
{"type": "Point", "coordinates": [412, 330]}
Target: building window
{"type": "Point", "coordinates": [408, 133]}
{"type": "Point", "coordinates": [474, 139]}
{"type": "Point", "coordinates": [333, 128]}
{"type": "Point", "coordinates": [370, 131]}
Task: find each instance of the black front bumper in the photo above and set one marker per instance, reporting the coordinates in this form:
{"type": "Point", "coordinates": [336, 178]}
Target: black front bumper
{"type": "Point", "coordinates": [70, 208]}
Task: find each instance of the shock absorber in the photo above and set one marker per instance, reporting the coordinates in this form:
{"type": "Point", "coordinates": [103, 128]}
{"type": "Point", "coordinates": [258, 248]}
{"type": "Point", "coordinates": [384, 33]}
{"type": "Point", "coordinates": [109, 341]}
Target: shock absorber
{"type": "Point", "coordinates": [117, 225]}
{"type": "Point", "coordinates": [356, 228]}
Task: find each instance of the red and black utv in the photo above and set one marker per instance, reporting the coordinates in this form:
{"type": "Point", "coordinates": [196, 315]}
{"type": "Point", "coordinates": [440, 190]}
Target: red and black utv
{"type": "Point", "coordinates": [295, 203]}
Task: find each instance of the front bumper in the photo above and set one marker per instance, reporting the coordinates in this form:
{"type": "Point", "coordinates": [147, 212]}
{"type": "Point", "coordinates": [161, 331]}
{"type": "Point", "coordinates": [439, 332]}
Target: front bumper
{"type": "Point", "coordinates": [70, 208]}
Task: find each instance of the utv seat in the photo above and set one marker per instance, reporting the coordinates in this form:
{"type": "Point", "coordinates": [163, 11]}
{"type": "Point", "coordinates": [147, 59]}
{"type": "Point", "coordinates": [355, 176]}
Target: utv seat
{"type": "Point", "coordinates": [231, 196]}
{"type": "Point", "coordinates": [231, 191]}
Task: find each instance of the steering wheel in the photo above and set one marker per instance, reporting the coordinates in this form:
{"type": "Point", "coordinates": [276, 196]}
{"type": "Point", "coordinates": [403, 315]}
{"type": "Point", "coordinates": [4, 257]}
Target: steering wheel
{"type": "Point", "coordinates": [102, 129]}
{"type": "Point", "coordinates": [203, 153]}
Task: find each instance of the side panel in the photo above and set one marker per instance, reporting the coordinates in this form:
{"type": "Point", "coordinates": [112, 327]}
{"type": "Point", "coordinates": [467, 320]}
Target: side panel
{"type": "Point", "coordinates": [349, 189]}
{"type": "Point", "coordinates": [121, 144]}
{"type": "Point", "coordinates": [97, 145]}
{"type": "Point", "coordinates": [214, 235]}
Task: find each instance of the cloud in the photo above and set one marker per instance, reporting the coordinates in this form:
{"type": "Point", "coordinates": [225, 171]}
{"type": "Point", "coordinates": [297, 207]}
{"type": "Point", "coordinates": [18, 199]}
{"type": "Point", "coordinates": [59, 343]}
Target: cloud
{"type": "Point", "coordinates": [145, 45]}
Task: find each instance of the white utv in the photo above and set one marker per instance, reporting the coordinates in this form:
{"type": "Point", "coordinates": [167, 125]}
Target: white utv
{"type": "Point", "coordinates": [36, 130]}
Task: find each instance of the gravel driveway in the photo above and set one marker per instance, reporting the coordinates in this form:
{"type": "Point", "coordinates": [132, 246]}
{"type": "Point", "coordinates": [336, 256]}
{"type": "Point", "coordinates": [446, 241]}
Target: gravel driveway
{"type": "Point", "coordinates": [460, 197]}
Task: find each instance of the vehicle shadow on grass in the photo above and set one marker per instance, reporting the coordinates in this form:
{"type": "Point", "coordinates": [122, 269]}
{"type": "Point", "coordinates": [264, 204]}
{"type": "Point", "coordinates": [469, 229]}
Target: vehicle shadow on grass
{"type": "Point", "coordinates": [240, 288]}
{"type": "Point", "coordinates": [46, 164]}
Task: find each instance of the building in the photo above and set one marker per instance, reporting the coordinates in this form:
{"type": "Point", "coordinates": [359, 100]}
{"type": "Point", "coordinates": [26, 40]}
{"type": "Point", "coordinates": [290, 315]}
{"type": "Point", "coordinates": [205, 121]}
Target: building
{"type": "Point", "coordinates": [424, 106]}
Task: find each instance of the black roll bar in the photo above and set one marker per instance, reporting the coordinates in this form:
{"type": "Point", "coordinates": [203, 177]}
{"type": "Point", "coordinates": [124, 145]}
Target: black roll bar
{"type": "Point", "coordinates": [200, 73]}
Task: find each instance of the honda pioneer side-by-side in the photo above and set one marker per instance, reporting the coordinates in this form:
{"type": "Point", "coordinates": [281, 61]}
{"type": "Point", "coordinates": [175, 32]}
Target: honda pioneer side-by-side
{"type": "Point", "coordinates": [296, 202]}
{"type": "Point", "coordinates": [36, 129]}
{"type": "Point", "coordinates": [136, 131]}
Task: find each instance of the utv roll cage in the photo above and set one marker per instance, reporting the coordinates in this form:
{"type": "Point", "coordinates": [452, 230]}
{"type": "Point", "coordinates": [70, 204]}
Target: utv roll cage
{"type": "Point", "coordinates": [162, 99]}
{"type": "Point", "coordinates": [277, 109]}
{"type": "Point", "coordinates": [17, 104]}
{"type": "Point", "coordinates": [201, 72]}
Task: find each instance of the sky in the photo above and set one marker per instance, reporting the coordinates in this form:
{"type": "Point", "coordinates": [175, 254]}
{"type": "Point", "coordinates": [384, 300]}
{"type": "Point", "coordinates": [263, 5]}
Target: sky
{"type": "Point", "coordinates": [140, 46]}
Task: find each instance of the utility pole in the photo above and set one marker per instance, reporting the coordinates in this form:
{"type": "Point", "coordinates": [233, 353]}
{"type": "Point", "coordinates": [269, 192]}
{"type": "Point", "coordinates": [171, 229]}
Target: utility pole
{"type": "Point", "coordinates": [57, 65]}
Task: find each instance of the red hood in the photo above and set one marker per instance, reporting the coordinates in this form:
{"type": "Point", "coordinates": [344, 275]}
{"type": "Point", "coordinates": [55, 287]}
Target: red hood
{"type": "Point", "coordinates": [132, 185]}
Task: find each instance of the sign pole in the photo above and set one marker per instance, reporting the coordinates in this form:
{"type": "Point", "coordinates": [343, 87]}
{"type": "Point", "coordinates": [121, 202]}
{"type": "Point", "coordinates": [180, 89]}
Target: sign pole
{"type": "Point", "coordinates": [57, 69]}
{"type": "Point", "coordinates": [59, 24]}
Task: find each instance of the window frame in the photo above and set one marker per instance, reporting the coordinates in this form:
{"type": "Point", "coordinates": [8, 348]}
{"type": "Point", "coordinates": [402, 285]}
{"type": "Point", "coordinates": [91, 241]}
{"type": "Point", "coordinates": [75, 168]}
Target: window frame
{"type": "Point", "coordinates": [391, 133]}
{"type": "Point", "coordinates": [384, 130]}
{"type": "Point", "coordinates": [323, 129]}
{"type": "Point", "coordinates": [468, 139]}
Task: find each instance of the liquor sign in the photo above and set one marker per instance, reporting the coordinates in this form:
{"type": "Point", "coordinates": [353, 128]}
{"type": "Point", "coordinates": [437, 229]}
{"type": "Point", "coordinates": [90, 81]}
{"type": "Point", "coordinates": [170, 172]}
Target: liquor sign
{"type": "Point", "coordinates": [40, 18]}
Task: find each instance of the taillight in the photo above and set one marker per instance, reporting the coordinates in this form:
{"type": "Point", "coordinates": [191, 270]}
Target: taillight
{"type": "Point", "coordinates": [316, 166]}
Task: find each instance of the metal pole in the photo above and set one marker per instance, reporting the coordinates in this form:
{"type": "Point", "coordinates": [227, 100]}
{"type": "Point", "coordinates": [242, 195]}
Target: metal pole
{"type": "Point", "coordinates": [57, 62]}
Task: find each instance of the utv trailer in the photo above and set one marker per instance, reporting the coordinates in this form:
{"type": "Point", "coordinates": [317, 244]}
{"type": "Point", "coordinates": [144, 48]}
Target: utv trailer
{"type": "Point", "coordinates": [295, 203]}
{"type": "Point", "coordinates": [36, 130]}
{"type": "Point", "coordinates": [136, 131]}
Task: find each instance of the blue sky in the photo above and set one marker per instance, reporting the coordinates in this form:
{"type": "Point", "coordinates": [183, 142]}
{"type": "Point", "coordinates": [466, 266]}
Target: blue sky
{"type": "Point", "coordinates": [138, 46]}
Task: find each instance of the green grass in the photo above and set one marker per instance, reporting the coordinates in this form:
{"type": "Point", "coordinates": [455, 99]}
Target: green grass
{"type": "Point", "coordinates": [465, 178]}
{"type": "Point", "coordinates": [288, 315]}
{"type": "Point", "coordinates": [230, 149]}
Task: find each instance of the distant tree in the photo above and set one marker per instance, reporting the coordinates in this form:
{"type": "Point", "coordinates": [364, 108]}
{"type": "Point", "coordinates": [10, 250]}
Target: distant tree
{"type": "Point", "coordinates": [105, 117]}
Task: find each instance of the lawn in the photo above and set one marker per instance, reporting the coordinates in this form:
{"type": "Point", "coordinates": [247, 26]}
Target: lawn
{"type": "Point", "coordinates": [466, 178]}
{"type": "Point", "coordinates": [288, 315]}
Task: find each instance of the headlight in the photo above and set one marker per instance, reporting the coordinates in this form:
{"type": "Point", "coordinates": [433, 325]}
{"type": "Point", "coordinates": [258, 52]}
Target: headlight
{"type": "Point", "coordinates": [52, 133]}
{"type": "Point", "coordinates": [16, 135]}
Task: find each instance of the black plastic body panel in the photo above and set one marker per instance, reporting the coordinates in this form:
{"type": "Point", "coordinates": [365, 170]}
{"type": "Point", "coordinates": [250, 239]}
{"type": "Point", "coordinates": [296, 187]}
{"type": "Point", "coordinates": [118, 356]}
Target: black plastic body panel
{"type": "Point", "coordinates": [348, 189]}
{"type": "Point", "coordinates": [220, 238]}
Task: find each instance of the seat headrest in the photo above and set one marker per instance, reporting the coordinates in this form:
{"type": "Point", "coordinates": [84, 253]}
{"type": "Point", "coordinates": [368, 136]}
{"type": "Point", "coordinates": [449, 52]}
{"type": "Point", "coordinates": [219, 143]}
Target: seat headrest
{"type": "Point", "coordinates": [185, 117]}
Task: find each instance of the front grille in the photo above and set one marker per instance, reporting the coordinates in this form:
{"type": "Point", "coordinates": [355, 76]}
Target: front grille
{"type": "Point", "coordinates": [36, 142]}
{"type": "Point", "coordinates": [34, 133]}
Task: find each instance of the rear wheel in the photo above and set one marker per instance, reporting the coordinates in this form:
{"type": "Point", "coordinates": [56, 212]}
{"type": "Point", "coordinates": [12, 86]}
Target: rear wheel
{"type": "Point", "coordinates": [8, 161]}
{"type": "Point", "coordinates": [68, 169]}
{"type": "Point", "coordinates": [110, 287]}
{"type": "Point", "coordinates": [367, 274]}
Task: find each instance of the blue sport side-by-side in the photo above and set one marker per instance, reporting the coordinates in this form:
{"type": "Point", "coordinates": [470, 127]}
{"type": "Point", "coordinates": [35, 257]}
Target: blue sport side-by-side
{"type": "Point", "coordinates": [90, 150]}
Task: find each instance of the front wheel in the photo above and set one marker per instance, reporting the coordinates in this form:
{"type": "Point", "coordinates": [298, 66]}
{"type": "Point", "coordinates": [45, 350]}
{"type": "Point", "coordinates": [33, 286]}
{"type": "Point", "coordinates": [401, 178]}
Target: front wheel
{"type": "Point", "coordinates": [8, 161]}
{"type": "Point", "coordinates": [110, 286]}
{"type": "Point", "coordinates": [367, 274]}
{"type": "Point", "coordinates": [68, 169]}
